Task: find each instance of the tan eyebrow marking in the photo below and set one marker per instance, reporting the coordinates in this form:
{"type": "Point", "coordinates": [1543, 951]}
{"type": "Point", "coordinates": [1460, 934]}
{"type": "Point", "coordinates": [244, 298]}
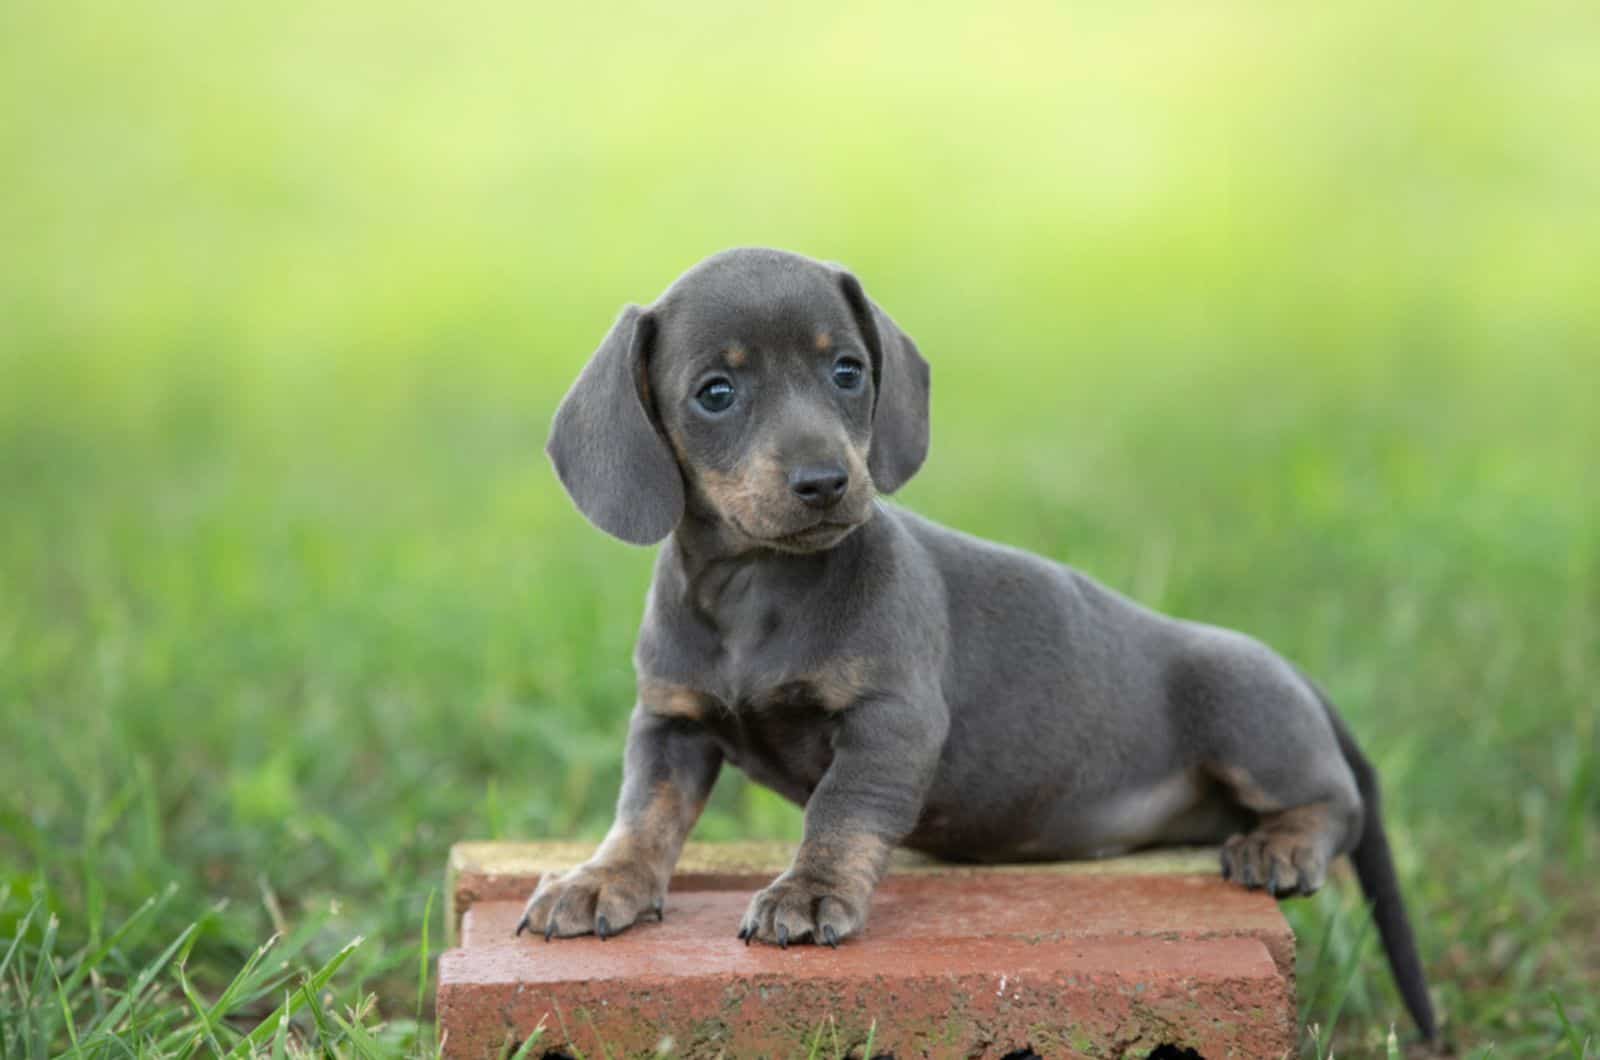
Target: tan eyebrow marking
{"type": "Point", "coordinates": [824, 341]}
{"type": "Point", "coordinates": [736, 356]}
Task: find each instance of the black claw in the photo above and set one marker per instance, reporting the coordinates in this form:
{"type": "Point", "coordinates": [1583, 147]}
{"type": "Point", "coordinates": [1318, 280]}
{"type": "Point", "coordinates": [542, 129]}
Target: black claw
{"type": "Point", "coordinates": [783, 936]}
{"type": "Point", "coordinates": [657, 907]}
{"type": "Point", "coordinates": [749, 935]}
{"type": "Point", "coordinates": [740, 936]}
{"type": "Point", "coordinates": [601, 927]}
{"type": "Point", "coordinates": [522, 925]}
{"type": "Point", "coordinates": [830, 936]}
{"type": "Point", "coordinates": [550, 929]}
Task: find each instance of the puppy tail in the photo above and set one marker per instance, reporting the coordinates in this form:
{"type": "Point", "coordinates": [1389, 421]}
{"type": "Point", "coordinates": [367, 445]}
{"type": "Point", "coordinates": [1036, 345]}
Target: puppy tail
{"type": "Point", "coordinates": [1375, 869]}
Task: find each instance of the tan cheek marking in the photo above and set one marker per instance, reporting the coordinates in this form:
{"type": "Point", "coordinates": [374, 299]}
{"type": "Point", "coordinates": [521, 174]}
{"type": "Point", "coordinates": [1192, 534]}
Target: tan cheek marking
{"type": "Point", "coordinates": [824, 342]}
{"type": "Point", "coordinates": [726, 490]}
{"type": "Point", "coordinates": [860, 477]}
{"type": "Point", "coordinates": [737, 356]}
{"type": "Point", "coordinates": [739, 492]}
{"type": "Point", "coordinates": [671, 700]}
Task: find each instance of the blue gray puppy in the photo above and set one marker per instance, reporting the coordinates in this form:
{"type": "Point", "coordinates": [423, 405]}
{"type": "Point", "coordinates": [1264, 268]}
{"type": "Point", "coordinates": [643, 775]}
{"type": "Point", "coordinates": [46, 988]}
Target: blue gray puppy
{"type": "Point", "coordinates": [905, 683]}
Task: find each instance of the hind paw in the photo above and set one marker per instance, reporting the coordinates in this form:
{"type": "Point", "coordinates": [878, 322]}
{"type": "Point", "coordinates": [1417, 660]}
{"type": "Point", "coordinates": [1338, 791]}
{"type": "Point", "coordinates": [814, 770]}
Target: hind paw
{"type": "Point", "coordinates": [1281, 865]}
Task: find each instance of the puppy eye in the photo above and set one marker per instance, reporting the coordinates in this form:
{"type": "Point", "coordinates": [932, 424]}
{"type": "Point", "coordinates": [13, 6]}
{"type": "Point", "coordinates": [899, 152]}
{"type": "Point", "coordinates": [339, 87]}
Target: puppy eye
{"type": "Point", "coordinates": [716, 395]}
{"type": "Point", "coordinates": [847, 373]}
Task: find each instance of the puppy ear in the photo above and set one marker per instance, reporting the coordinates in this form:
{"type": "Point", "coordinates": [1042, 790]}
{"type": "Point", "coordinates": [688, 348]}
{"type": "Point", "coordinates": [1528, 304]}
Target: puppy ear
{"type": "Point", "coordinates": [900, 385]}
{"type": "Point", "coordinates": [605, 444]}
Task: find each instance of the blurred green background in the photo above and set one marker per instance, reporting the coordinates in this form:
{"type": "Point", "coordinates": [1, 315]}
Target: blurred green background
{"type": "Point", "coordinates": [1282, 316]}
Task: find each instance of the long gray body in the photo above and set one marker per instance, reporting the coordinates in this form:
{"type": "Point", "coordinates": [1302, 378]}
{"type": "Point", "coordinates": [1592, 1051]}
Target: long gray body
{"type": "Point", "coordinates": [1080, 723]}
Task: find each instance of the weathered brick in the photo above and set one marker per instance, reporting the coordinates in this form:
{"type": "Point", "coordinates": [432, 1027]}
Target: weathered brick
{"type": "Point", "coordinates": [955, 962]}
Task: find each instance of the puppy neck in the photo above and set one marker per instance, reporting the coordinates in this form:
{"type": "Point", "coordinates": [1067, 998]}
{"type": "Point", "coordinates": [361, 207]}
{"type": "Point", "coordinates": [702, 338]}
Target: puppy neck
{"type": "Point", "coordinates": [714, 567]}
{"type": "Point", "coordinates": [701, 541]}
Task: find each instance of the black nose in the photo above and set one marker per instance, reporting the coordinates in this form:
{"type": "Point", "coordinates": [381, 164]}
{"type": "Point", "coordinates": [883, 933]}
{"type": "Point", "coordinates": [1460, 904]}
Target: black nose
{"type": "Point", "coordinates": [819, 487]}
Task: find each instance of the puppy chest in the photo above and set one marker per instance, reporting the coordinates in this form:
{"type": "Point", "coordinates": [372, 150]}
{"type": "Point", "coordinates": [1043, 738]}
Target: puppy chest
{"type": "Point", "coordinates": [786, 751]}
{"type": "Point", "coordinates": [780, 735]}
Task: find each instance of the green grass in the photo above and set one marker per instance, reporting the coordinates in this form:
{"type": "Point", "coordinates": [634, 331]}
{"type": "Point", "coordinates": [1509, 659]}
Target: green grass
{"type": "Point", "coordinates": [1280, 316]}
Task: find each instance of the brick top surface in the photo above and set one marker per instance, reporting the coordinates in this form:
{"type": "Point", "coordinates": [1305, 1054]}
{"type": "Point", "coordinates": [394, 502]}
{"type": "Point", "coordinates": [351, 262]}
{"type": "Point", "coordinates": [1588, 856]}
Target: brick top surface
{"type": "Point", "coordinates": [694, 942]}
{"type": "Point", "coordinates": [501, 871]}
{"type": "Point", "coordinates": [507, 859]}
{"type": "Point", "coordinates": [1031, 908]}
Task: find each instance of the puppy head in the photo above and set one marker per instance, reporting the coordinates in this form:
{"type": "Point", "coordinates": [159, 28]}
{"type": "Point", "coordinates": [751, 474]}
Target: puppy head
{"type": "Point", "coordinates": [763, 390]}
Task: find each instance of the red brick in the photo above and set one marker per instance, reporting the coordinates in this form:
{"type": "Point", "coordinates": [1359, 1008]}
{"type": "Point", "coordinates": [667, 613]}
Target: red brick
{"type": "Point", "coordinates": [952, 964]}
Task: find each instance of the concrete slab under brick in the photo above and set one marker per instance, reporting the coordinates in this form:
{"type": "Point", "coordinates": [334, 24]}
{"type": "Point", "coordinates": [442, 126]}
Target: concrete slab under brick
{"type": "Point", "coordinates": [953, 963]}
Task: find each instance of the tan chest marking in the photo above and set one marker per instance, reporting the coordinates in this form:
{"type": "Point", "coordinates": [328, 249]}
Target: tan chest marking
{"type": "Point", "coordinates": [841, 684]}
{"type": "Point", "coordinates": [837, 686]}
{"type": "Point", "coordinates": [670, 700]}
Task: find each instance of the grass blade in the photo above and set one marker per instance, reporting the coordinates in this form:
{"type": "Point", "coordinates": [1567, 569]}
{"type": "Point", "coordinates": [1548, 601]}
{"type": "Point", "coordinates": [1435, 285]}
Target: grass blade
{"type": "Point", "coordinates": [1357, 949]}
{"type": "Point", "coordinates": [106, 1026]}
{"type": "Point", "coordinates": [122, 936]}
{"type": "Point", "coordinates": [529, 1042]}
{"type": "Point", "coordinates": [16, 940]}
{"type": "Point", "coordinates": [1580, 1047]}
{"type": "Point", "coordinates": [280, 1033]}
{"type": "Point", "coordinates": [422, 961]}
{"type": "Point", "coordinates": [201, 1012]}
{"type": "Point", "coordinates": [43, 972]}
{"type": "Point", "coordinates": [234, 992]}
{"type": "Point", "coordinates": [66, 1018]}
{"type": "Point", "coordinates": [279, 1020]}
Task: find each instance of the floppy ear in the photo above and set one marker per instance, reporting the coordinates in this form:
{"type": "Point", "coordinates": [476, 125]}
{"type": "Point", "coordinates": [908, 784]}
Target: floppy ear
{"type": "Point", "coordinates": [606, 447]}
{"type": "Point", "coordinates": [900, 388]}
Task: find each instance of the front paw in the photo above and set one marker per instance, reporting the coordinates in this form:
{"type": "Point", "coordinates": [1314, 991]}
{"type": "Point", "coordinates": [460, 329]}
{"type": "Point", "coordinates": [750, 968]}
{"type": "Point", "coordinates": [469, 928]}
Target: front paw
{"type": "Point", "coordinates": [796, 908]}
{"type": "Point", "coordinates": [599, 898]}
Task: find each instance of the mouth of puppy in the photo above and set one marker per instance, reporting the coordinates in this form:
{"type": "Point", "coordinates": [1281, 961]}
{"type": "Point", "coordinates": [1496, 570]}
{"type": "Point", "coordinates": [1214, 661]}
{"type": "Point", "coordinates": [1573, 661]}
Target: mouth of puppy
{"type": "Point", "coordinates": [813, 538]}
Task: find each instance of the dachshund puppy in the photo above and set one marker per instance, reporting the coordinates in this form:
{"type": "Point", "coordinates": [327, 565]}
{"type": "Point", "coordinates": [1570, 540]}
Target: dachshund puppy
{"type": "Point", "coordinates": [903, 682]}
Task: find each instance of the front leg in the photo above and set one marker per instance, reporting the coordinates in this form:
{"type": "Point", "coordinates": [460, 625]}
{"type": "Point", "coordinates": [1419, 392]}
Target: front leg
{"type": "Point", "coordinates": [667, 773]}
{"type": "Point", "coordinates": [885, 753]}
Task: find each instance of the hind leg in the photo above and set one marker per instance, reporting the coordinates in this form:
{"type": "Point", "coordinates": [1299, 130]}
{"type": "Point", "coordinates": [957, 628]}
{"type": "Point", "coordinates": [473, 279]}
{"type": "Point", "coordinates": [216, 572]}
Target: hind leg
{"type": "Point", "coordinates": [1305, 817]}
{"type": "Point", "coordinates": [1271, 746]}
